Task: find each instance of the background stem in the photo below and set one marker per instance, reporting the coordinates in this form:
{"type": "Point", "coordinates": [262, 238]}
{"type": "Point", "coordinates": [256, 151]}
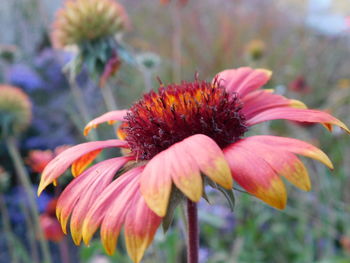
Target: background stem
{"type": "Point", "coordinates": [7, 229]}
{"type": "Point", "coordinates": [24, 180]}
{"type": "Point", "coordinates": [193, 232]}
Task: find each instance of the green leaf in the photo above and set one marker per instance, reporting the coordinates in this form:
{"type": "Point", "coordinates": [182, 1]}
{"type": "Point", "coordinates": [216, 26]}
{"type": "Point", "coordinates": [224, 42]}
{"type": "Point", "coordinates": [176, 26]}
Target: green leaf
{"type": "Point", "coordinates": [175, 198]}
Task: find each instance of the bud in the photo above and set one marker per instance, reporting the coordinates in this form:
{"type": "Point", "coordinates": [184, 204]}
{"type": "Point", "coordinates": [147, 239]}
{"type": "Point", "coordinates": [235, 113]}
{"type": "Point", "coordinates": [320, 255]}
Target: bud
{"type": "Point", "coordinates": [15, 111]}
{"type": "Point", "coordinates": [87, 20]}
{"type": "Point", "coordinates": [148, 61]}
{"type": "Point", "coordinates": [255, 49]}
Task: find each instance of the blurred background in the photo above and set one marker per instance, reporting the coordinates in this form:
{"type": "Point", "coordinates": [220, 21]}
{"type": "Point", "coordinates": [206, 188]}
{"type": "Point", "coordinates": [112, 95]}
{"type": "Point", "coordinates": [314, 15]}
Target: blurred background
{"type": "Point", "coordinates": [305, 43]}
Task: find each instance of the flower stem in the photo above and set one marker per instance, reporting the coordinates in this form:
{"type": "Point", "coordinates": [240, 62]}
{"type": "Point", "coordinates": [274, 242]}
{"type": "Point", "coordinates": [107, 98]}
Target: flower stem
{"type": "Point", "coordinates": [24, 180]}
{"type": "Point", "coordinates": [79, 101]}
{"type": "Point", "coordinates": [108, 97]}
{"type": "Point", "coordinates": [7, 229]}
{"type": "Point", "coordinates": [193, 232]}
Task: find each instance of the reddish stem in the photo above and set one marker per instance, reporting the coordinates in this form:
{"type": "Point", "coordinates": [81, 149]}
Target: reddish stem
{"type": "Point", "coordinates": [193, 232]}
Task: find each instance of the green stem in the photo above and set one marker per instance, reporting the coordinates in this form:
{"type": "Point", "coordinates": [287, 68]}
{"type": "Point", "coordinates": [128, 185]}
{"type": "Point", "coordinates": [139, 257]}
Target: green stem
{"type": "Point", "coordinates": [30, 233]}
{"type": "Point", "coordinates": [7, 229]}
{"type": "Point", "coordinates": [108, 97]}
{"type": "Point", "coordinates": [80, 103]}
{"type": "Point", "coordinates": [24, 180]}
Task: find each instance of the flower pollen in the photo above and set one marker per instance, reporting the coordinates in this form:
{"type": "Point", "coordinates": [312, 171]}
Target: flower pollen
{"type": "Point", "coordinates": [178, 111]}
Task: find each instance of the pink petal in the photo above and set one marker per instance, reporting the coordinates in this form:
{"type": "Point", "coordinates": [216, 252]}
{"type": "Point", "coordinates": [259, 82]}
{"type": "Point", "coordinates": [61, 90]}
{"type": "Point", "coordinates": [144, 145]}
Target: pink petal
{"type": "Point", "coordinates": [156, 182]}
{"type": "Point", "coordinates": [301, 115]}
{"type": "Point", "coordinates": [141, 223]}
{"type": "Point", "coordinates": [115, 215]}
{"type": "Point", "coordinates": [181, 163]}
{"type": "Point", "coordinates": [110, 198]}
{"type": "Point", "coordinates": [262, 100]}
{"type": "Point", "coordinates": [110, 117]}
{"type": "Point", "coordinates": [61, 162]}
{"type": "Point", "coordinates": [255, 175]}
{"type": "Point", "coordinates": [290, 145]}
{"type": "Point", "coordinates": [243, 80]}
{"type": "Point", "coordinates": [281, 160]}
{"type": "Point", "coordinates": [80, 194]}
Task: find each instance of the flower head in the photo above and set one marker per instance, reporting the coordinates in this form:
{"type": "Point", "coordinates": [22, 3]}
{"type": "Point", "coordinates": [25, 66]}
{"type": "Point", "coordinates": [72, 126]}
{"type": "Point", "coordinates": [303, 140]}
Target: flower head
{"type": "Point", "coordinates": [255, 49]}
{"type": "Point", "coordinates": [300, 85]}
{"type": "Point", "coordinates": [180, 139]}
{"type": "Point", "coordinates": [23, 76]}
{"type": "Point", "coordinates": [86, 20]}
{"type": "Point", "coordinates": [38, 159]}
{"type": "Point", "coordinates": [15, 110]}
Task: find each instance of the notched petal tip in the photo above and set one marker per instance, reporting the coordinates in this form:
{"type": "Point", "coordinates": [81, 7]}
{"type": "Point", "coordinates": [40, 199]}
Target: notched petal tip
{"type": "Point", "coordinates": [298, 104]}
{"type": "Point", "coordinates": [109, 117]}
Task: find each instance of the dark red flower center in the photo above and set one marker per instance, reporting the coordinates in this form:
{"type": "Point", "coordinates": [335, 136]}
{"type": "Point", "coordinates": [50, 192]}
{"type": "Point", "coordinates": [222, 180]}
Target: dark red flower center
{"type": "Point", "coordinates": [176, 112]}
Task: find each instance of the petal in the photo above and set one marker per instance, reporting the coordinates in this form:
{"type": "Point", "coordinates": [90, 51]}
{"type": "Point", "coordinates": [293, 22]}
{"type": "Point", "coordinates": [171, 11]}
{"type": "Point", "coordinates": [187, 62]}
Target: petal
{"type": "Point", "coordinates": [243, 80]}
{"type": "Point", "coordinates": [110, 117]}
{"type": "Point", "coordinates": [98, 178]}
{"type": "Point", "coordinates": [282, 161]}
{"type": "Point", "coordinates": [291, 145]}
{"type": "Point", "coordinates": [109, 198]}
{"type": "Point", "coordinates": [115, 215]}
{"type": "Point", "coordinates": [262, 100]}
{"type": "Point", "coordinates": [155, 183]}
{"type": "Point", "coordinates": [83, 162]}
{"type": "Point", "coordinates": [210, 161]}
{"type": "Point", "coordinates": [182, 163]}
{"type": "Point", "coordinates": [80, 188]}
{"type": "Point", "coordinates": [185, 171]}
{"type": "Point", "coordinates": [301, 115]}
{"type": "Point", "coordinates": [141, 224]}
{"type": "Point", "coordinates": [62, 161]}
{"type": "Point", "coordinates": [256, 176]}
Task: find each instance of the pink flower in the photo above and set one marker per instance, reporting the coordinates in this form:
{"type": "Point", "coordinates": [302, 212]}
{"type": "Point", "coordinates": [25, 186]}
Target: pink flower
{"type": "Point", "coordinates": [183, 137]}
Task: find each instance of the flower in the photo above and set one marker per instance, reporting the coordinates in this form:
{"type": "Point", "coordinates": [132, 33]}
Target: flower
{"type": "Point", "coordinates": [38, 159]}
{"type": "Point", "coordinates": [49, 224]}
{"type": "Point", "coordinates": [174, 137]}
{"type": "Point", "coordinates": [300, 85]}
{"type": "Point", "coordinates": [15, 110]}
{"type": "Point", "coordinates": [86, 20]}
{"type": "Point", "coordinates": [91, 25]}
{"type": "Point", "coordinates": [255, 49]}
{"type": "Point", "coordinates": [23, 76]}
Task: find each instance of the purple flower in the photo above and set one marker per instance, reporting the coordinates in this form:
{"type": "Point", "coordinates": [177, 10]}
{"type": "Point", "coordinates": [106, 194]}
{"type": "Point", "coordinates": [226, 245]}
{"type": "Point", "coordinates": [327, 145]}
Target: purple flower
{"type": "Point", "coordinates": [23, 76]}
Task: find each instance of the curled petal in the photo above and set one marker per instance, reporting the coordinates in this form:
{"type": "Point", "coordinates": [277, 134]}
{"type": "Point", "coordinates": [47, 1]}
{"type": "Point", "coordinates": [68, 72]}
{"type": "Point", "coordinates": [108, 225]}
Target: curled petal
{"type": "Point", "coordinates": [262, 100]}
{"type": "Point", "coordinates": [301, 115]}
{"type": "Point", "coordinates": [256, 176]}
{"type": "Point", "coordinates": [61, 162]}
{"type": "Point", "coordinates": [243, 80]}
{"type": "Point", "coordinates": [182, 163]}
{"type": "Point", "coordinates": [141, 223]}
{"type": "Point", "coordinates": [109, 117]}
